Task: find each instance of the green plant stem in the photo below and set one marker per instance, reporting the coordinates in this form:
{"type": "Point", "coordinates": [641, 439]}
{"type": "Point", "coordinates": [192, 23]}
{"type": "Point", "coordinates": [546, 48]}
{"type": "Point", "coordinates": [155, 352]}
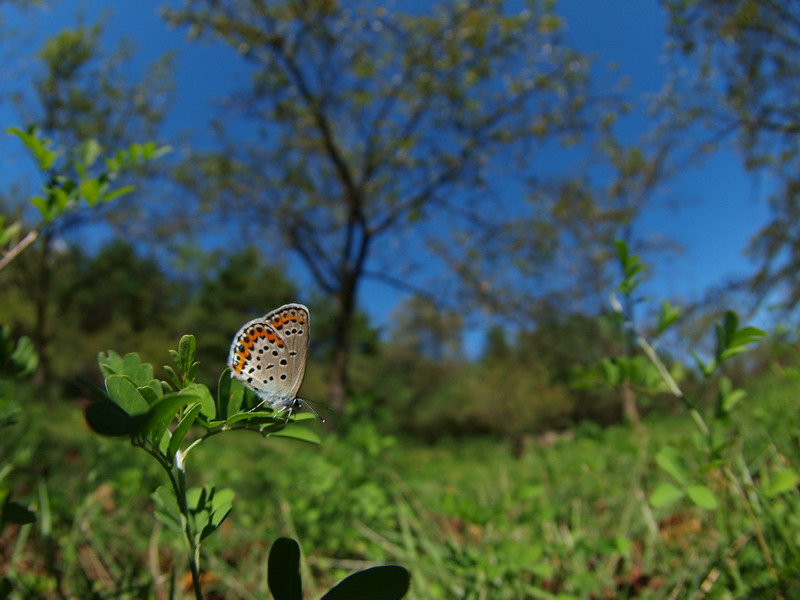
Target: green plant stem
{"type": "Point", "coordinates": [179, 484]}
{"type": "Point", "coordinates": [213, 432]}
{"type": "Point", "coordinates": [672, 384]}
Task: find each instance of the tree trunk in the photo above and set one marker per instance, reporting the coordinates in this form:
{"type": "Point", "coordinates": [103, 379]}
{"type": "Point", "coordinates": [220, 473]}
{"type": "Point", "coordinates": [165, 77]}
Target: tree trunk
{"type": "Point", "coordinates": [339, 384]}
{"type": "Point", "coordinates": [629, 406]}
{"type": "Point", "coordinates": [40, 334]}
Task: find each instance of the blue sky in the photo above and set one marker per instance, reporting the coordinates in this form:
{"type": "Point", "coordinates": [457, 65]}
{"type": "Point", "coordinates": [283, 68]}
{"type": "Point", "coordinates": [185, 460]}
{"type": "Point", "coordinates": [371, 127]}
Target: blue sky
{"type": "Point", "coordinates": [711, 210]}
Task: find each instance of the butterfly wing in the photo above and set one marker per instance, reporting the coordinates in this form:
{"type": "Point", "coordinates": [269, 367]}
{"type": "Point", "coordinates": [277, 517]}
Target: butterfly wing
{"type": "Point", "coordinates": [292, 325]}
{"type": "Point", "coordinates": [269, 354]}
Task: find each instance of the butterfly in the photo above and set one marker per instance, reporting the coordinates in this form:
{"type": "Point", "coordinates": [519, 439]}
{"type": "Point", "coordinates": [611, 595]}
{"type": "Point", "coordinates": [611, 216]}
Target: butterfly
{"type": "Point", "coordinates": [269, 355]}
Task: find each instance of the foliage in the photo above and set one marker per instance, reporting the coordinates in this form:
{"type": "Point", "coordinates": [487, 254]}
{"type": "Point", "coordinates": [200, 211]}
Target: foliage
{"type": "Point", "coordinates": [72, 180]}
{"type": "Point", "coordinates": [84, 93]}
{"type": "Point", "coordinates": [17, 357]}
{"type": "Point", "coordinates": [159, 415]}
{"type": "Point", "coordinates": [386, 583]}
{"type": "Point", "coordinates": [745, 85]}
{"type": "Point", "coordinates": [370, 117]}
{"type": "Point", "coordinates": [720, 479]}
{"type": "Point", "coordinates": [495, 505]}
{"type": "Point", "coordinates": [67, 191]}
{"type": "Point", "coordinates": [466, 517]}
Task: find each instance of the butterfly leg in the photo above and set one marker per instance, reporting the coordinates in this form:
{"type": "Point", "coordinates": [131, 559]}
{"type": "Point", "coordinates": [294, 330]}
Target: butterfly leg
{"type": "Point", "coordinates": [259, 405]}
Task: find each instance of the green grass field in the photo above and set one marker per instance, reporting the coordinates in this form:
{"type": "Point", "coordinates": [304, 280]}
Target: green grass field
{"type": "Point", "coordinates": [468, 518]}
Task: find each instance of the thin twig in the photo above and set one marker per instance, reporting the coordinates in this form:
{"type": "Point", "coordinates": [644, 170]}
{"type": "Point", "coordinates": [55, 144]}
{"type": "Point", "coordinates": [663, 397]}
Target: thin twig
{"type": "Point", "coordinates": [671, 384]}
{"type": "Point", "coordinates": [24, 243]}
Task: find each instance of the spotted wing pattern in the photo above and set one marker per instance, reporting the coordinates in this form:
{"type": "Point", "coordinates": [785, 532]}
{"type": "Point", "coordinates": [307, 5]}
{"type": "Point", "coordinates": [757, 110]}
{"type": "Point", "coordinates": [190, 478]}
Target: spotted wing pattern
{"type": "Point", "coordinates": [269, 354]}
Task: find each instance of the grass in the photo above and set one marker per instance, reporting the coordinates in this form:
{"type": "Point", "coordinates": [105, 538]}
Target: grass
{"type": "Point", "coordinates": [467, 517]}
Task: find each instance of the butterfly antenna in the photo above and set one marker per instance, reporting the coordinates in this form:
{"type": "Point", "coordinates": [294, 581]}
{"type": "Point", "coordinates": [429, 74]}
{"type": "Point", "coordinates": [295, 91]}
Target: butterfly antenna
{"type": "Point", "coordinates": [311, 408]}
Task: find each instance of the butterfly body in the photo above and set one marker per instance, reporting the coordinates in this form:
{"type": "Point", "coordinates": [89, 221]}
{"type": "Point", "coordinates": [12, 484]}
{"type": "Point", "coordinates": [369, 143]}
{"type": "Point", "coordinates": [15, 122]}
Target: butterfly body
{"type": "Point", "coordinates": [269, 354]}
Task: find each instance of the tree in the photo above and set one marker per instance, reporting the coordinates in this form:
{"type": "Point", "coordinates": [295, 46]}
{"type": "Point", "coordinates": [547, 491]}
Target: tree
{"type": "Point", "coordinates": [81, 106]}
{"type": "Point", "coordinates": [369, 121]}
{"type": "Point", "coordinates": [746, 88]}
{"type": "Point", "coordinates": [114, 297]}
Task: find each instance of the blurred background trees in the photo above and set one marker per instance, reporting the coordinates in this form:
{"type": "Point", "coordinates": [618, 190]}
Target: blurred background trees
{"type": "Point", "coordinates": [368, 120]}
{"type": "Point", "coordinates": [404, 147]}
{"type": "Point", "coordinates": [745, 88]}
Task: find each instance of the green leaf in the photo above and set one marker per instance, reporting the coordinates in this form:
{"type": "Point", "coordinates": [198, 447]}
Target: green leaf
{"type": "Point", "coordinates": [110, 363]}
{"type": "Point", "coordinates": [8, 232]}
{"type": "Point", "coordinates": [250, 416]}
{"type": "Point", "coordinates": [731, 340]}
{"type": "Point", "coordinates": [707, 369]}
{"type": "Point", "coordinates": [297, 432]}
{"type": "Point", "coordinates": [42, 205]}
{"type": "Point", "coordinates": [88, 152]}
{"type": "Point", "coordinates": [669, 459]}
{"type": "Point", "coordinates": [17, 358]}
{"type": "Point", "coordinates": [224, 395]}
{"type": "Point", "coordinates": [611, 371]}
{"type": "Point", "coordinates": [89, 190]}
{"type": "Point", "coordinates": [377, 583]}
{"type": "Point", "coordinates": [132, 365]}
{"type": "Point", "coordinates": [283, 570]}
{"type": "Point", "coordinates": [124, 393]}
{"type": "Point", "coordinates": [163, 412]}
{"type": "Point", "coordinates": [148, 394]}
{"type": "Point", "coordinates": [44, 156]}
{"type": "Point", "coordinates": [183, 427]}
{"type": "Point", "coordinates": [209, 408]}
{"type": "Point", "coordinates": [304, 416]}
{"type": "Point", "coordinates": [98, 394]}
{"type": "Point", "coordinates": [107, 418]}
{"type": "Point", "coordinates": [156, 386]}
{"type": "Point", "coordinates": [667, 317]}
{"type": "Point", "coordinates": [134, 153]}
{"type": "Point", "coordinates": [173, 377]}
{"type": "Point", "coordinates": [731, 352]}
{"type": "Point", "coordinates": [631, 265]}
{"type": "Point", "coordinates": [738, 341]}
{"type": "Point", "coordinates": [143, 375]}
{"type": "Point", "coordinates": [702, 497]}
{"type": "Point", "coordinates": [167, 508]}
{"type": "Point", "coordinates": [664, 495]}
{"type": "Point", "coordinates": [622, 251]}
{"type": "Point", "coordinates": [220, 504]}
{"type": "Point", "coordinates": [186, 353]}
{"type": "Point", "coordinates": [729, 397]}
{"type": "Point", "coordinates": [748, 335]}
{"type": "Point", "coordinates": [108, 197]}
{"type": "Point", "coordinates": [730, 324]}
{"type": "Point", "coordinates": [785, 480]}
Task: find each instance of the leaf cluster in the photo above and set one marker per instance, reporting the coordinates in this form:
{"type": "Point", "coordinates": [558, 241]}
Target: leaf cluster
{"type": "Point", "coordinates": [158, 415]}
{"type": "Point", "coordinates": [377, 583]}
{"type": "Point", "coordinates": [18, 358]}
{"type": "Point", "coordinates": [64, 192]}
